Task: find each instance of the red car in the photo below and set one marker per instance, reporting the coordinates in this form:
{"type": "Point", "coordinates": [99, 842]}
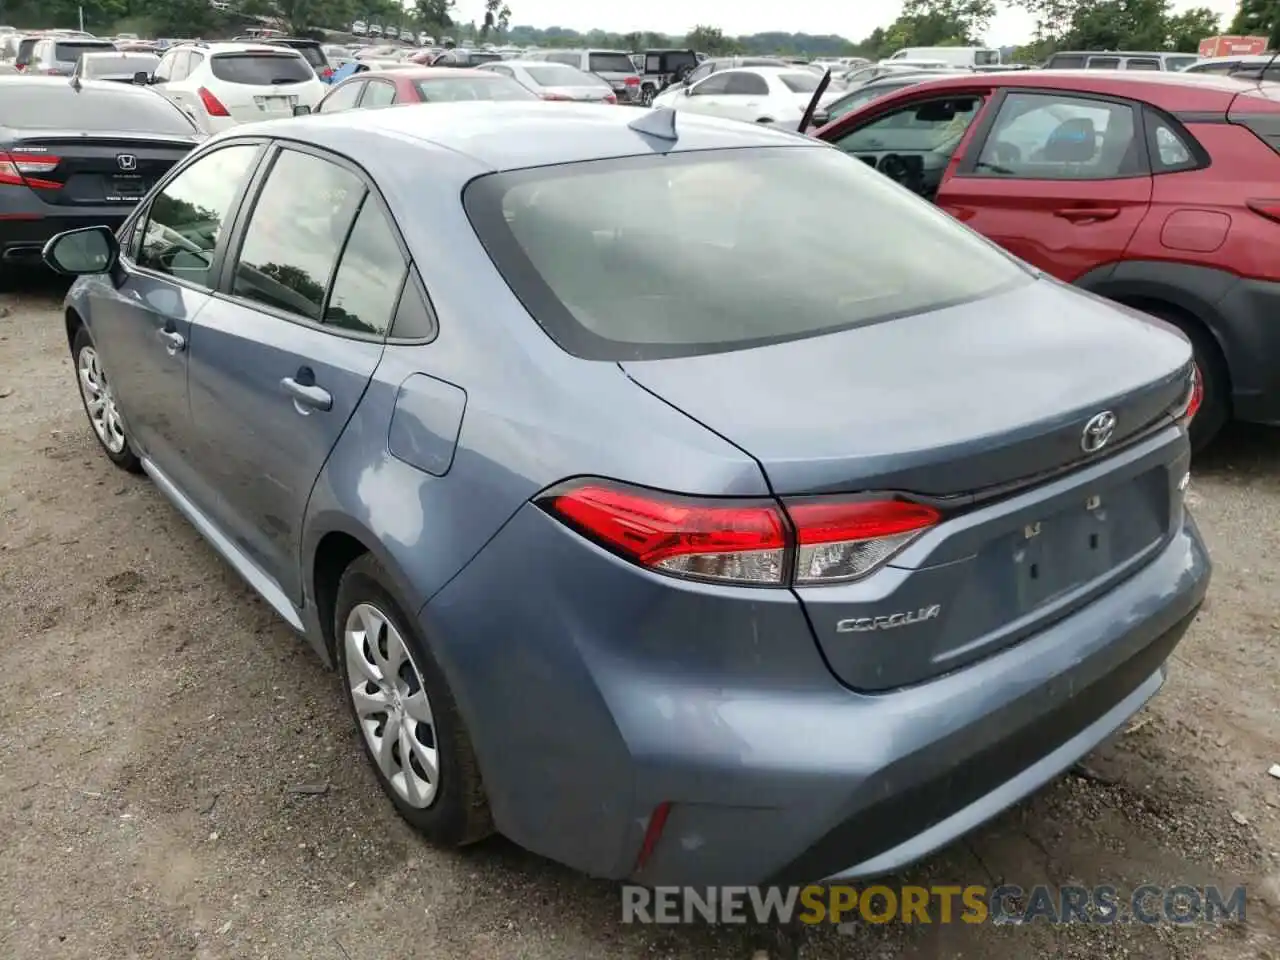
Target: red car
{"type": "Point", "coordinates": [385, 88]}
{"type": "Point", "coordinates": [1157, 190]}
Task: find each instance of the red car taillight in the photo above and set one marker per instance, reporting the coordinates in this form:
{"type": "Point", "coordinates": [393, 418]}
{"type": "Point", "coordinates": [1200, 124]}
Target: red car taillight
{"type": "Point", "coordinates": [1190, 403]}
{"type": "Point", "coordinates": [212, 105]}
{"type": "Point", "coordinates": [631, 82]}
{"type": "Point", "coordinates": [555, 96]}
{"type": "Point", "coordinates": [24, 169]}
{"type": "Point", "coordinates": [610, 98]}
{"type": "Point", "coordinates": [754, 542]}
{"type": "Point", "coordinates": [326, 73]}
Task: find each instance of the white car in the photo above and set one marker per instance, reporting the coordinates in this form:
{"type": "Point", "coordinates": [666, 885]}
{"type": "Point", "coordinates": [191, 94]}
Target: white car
{"type": "Point", "coordinates": [426, 40]}
{"type": "Point", "coordinates": [219, 85]}
{"type": "Point", "coordinates": [392, 33]}
{"type": "Point", "coordinates": [359, 28]}
{"type": "Point", "coordinates": [375, 29]}
{"type": "Point", "coordinates": [773, 95]}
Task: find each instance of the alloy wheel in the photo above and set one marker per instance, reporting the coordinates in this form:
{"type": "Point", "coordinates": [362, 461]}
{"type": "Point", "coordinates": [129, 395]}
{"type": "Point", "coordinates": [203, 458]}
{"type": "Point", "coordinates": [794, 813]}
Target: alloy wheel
{"type": "Point", "coordinates": [391, 705]}
{"type": "Point", "coordinates": [99, 401]}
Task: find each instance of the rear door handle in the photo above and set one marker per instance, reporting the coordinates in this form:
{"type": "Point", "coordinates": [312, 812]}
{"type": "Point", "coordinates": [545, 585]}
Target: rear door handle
{"type": "Point", "coordinates": [1085, 214]}
{"type": "Point", "coordinates": [307, 396]}
{"type": "Point", "coordinates": [174, 342]}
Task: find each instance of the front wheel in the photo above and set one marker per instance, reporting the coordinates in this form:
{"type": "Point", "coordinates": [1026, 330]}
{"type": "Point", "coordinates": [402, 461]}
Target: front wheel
{"type": "Point", "coordinates": [409, 725]}
{"type": "Point", "coordinates": [100, 403]}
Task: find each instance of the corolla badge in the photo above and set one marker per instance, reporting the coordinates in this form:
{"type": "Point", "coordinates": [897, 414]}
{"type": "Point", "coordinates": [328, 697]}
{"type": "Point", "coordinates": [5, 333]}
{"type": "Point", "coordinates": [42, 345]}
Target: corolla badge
{"type": "Point", "coordinates": [890, 622]}
{"type": "Point", "coordinates": [1098, 431]}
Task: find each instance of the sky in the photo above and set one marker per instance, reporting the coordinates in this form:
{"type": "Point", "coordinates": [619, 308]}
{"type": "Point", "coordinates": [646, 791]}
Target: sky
{"type": "Point", "coordinates": [854, 19]}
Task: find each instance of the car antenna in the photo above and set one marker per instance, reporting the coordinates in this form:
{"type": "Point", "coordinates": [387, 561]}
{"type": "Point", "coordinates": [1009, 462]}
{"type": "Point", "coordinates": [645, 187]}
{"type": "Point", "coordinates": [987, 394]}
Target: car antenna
{"type": "Point", "coordinates": [1267, 66]}
{"type": "Point", "coordinates": [812, 108]}
{"type": "Point", "coordinates": [75, 84]}
{"type": "Point", "coordinates": [660, 122]}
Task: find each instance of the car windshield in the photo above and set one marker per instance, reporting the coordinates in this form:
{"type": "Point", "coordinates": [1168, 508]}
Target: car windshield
{"type": "Point", "coordinates": [1178, 63]}
{"type": "Point", "coordinates": [260, 69]}
{"type": "Point", "coordinates": [800, 82]}
{"type": "Point", "coordinates": [92, 109]}
{"type": "Point", "coordinates": [453, 89]}
{"type": "Point", "coordinates": [684, 254]}
{"type": "Point", "coordinates": [559, 75]}
{"type": "Point", "coordinates": [69, 51]}
{"type": "Point", "coordinates": [986, 58]}
{"type": "Point", "coordinates": [610, 63]}
{"type": "Point", "coordinates": [852, 101]}
{"type": "Point", "coordinates": [107, 66]}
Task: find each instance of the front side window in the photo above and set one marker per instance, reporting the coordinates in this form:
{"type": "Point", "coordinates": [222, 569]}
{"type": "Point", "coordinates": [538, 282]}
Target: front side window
{"type": "Point", "coordinates": [1051, 137]}
{"type": "Point", "coordinates": [712, 86]}
{"type": "Point", "coordinates": [343, 98]}
{"type": "Point", "coordinates": [801, 82]}
{"type": "Point", "coordinates": [1178, 63]}
{"type": "Point", "coordinates": [587, 248]}
{"type": "Point", "coordinates": [367, 284]}
{"type": "Point", "coordinates": [186, 218]}
{"type": "Point", "coordinates": [295, 232]}
{"type": "Point", "coordinates": [378, 94]}
{"type": "Point", "coordinates": [929, 127]}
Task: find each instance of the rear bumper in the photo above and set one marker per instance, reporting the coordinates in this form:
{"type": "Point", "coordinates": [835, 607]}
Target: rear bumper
{"type": "Point", "coordinates": [595, 692]}
{"type": "Point", "coordinates": [23, 236]}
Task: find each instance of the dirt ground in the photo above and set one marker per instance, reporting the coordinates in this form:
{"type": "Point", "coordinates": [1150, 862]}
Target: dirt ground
{"type": "Point", "coordinates": [162, 736]}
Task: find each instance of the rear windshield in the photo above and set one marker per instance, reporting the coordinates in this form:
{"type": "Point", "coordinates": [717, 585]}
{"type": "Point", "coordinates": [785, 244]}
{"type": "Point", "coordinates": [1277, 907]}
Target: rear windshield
{"type": "Point", "coordinates": [986, 58]}
{"type": "Point", "coordinates": [610, 63]}
{"type": "Point", "coordinates": [558, 75]}
{"type": "Point", "coordinates": [453, 89]}
{"type": "Point", "coordinates": [800, 82]}
{"type": "Point", "coordinates": [91, 110]}
{"type": "Point", "coordinates": [69, 51]}
{"type": "Point", "coordinates": [260, 69]}
{"type": "Point", "coordinates": [685, 254]}
{"type": "Point", "coordinates": [101, 66]}
{"type": "Point", "coordinates": [477, 56]}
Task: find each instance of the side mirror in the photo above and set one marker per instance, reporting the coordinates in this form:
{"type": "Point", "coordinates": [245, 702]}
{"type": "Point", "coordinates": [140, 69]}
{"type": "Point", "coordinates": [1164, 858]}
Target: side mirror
{"type": "Point", "coordinates": [142, 78]}
{"type": "Point", "coordinates": [88, 250]}
{"type": "Point", "coordinates": [687, 89]}
{"type": "Point", "coordinates": [301, 110]}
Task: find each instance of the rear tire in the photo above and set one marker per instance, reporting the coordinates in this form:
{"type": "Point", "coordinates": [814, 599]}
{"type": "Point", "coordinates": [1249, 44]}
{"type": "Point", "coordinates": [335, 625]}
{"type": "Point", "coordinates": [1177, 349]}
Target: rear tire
{"type": "Point", "coordinates": [99, 403]}
{"type": "Point", "coordinates": [418, 747]}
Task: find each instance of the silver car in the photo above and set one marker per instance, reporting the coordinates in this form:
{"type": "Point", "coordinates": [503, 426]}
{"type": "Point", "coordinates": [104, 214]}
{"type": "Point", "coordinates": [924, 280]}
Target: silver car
{"type": "Point", "coordinates": [555, 81]}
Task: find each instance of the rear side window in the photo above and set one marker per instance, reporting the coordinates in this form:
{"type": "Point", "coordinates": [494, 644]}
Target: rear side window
{"type": "Point", "coordinates": [298, 225]}
{"type": "Point", "coordinates": [260, 69]}
{"type": "Point", "coordinates": [69, 51]}
{"type": "Point", "coordinates": [367, 284]}
{"type": "Point", "coordinates": [1050, 137]}
{"type": "Point", "coordinates": [1104, 63]}
{"type": "Point", "coordinates": [610, 63]}
{"type": "Point", "coordinates": [90, 110]}
{"type": "Point", "coordinates": [1142, 63]}
{"type": "Point", "coordinates": [746, 85]}
{"type": "Point", "coordinates": [588, 247]}
{"type": "Point", "coordinates": [1171, 148]}
{"type": "Point", "coordinates": [1068, 62]}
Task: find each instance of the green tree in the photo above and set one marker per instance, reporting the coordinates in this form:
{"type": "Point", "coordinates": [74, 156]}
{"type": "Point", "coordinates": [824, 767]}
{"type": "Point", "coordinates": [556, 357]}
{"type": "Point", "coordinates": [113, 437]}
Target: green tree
{"type": "Point", "coordinates": [1120, 25]}
{"type": "Point", "coordinates": [1188, 28]}
{"type": "Point", "coordinates": [1255, 18]}
{"type": "Point", "coordinates": [434, 16]}
{"type": "Point", "coordinates": [710, 40]}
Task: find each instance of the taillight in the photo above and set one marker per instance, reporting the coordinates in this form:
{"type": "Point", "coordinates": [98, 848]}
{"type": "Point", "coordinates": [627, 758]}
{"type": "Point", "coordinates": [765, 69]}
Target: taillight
{"type": "Point", "coordinates": [24, 169]}
{"type": "Point", "coordinates": [326, 73]}
{"type": "Point", "coordinates": [753, 542]}
{"type": "Point", "coordinates": [631, 82]}
{"type": "Point", "coordinates": [845, 540]}
{"type": "Point", "coordinates": [610, 98]}
{"type": "Point", "coordinates": [1190, 403]}
{"type": "Point", "coordinates": [212, 105]}
{"type": "Point", "coordinates": [555, 96]}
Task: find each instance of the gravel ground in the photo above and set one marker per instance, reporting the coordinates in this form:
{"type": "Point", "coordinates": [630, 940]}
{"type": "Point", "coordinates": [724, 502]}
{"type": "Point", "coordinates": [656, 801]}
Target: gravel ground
{"type": "Point", "coordinates": [162, 733]}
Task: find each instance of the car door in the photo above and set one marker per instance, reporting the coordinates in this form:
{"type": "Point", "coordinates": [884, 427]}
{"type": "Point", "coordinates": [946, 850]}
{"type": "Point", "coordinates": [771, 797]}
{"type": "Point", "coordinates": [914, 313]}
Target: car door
{"type": "Point", "coordinates": [169, 258]}
{"type": "Point", "coordinates": [281, 359]}
{"type": "Point", "coordinates": [707, 96]}
{"type": "Point", "coordinates": [1060, 179]}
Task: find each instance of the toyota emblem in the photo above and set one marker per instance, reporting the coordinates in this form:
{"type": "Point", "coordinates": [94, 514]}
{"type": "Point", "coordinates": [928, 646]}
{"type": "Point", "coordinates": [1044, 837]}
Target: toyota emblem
{"type": "Point", "coordinates": [127, 161]}
{"type": "Point", "coordinates": [1098, 431]}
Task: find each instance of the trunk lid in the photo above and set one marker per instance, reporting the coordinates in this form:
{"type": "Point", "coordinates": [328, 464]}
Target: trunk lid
{"type": "Point", "coordinates": [982, 409]}
{"type": "Point", "coordinates": [593, 93]}
{"type": "Point", "coordinates": [96, 169]}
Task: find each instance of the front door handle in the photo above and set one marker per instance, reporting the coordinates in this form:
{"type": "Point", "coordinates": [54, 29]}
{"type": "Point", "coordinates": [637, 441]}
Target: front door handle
{"type": "Point", "coordinates": [307, 396]}
{"type": "Point", "coordinates": [174, 342]}
{"type": "Point", "coordinates": [1086, 214]}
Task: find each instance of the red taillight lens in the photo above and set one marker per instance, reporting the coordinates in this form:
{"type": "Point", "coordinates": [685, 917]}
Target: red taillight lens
{"type": "Point", "coordinates": [739, 541]}
{"type": "Point", "coordinates": [212, 105]}
{"type": "Point", "coordinates": [326, 73]}
{"type": "Point", "coordinates": [845, 540]}
{"type": "Point", "coordinates": [24, 169]}
{"type": "Point", "coordinates": [611, 98]}
{"type": "Point", "coordinates": [631, 82]}
{"type": "Point", "coordinates": [555, 96]}
{"type": "Point", "coordinates": [1189, 406]}
{"type": "Point", "coordinates": [752, 542]}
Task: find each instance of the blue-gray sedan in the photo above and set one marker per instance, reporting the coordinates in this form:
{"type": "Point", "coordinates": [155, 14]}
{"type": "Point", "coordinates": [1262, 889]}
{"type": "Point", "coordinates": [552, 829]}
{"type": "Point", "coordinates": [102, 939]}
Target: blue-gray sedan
{"type": "Point", "coordinates": [682, 499]}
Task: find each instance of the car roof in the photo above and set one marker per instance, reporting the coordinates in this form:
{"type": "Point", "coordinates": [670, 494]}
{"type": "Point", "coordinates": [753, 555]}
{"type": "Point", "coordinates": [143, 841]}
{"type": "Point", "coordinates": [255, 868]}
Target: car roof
{"type": "Point", "coordinates": [528, 63]}
{"type": "Point", "coordinates": [242, 46]}
{"type": "Point", "coordinates": [1119, 53]}
{"type": "Point", "coordinates": [508, 135]}
{"type": "Point", "coordinates": [435, 73]}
